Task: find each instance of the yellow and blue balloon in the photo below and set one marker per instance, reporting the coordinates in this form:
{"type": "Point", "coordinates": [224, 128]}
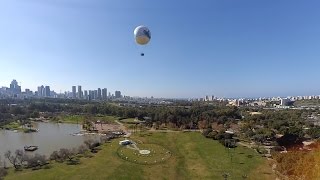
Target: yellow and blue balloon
{"type": "Point", "coordinates": [142, 35]}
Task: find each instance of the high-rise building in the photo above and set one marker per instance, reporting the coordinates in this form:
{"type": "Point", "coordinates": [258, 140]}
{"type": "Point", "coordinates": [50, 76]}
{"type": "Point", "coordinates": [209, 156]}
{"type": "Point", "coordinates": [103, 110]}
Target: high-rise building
{"type": "Point", "coordinates": [99, 93]}
{"type": "Point", "coordinates": [117, 94]}
{"type": "Point", "coordinates": [14, 87]}
{"type": "Point", "coordinates": [95, 94]}
{"type": "Point", "coordinates": [74, 92]}
{"type": "Point", "coordinates": [40, 91]}
{"type": "Point", "coordinates": [28, 92]}
{"type": "Point", "coordinates": [79, 92]}
{"type": "Point", "coordinates": [91, 95]}
{"type": "Point", "coordinates": [43, 93]}
{"type": "Point", "coordinates": [284, 101]}
{"type": "Point", "coordinates": [47, 91]}
{"type": "Point", "coordinates": [104, 93]}
{"type": "Point", "coordinates": [85, 94]}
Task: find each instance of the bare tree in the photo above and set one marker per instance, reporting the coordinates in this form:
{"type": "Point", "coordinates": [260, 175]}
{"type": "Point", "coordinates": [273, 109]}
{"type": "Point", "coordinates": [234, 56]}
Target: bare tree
{"type": "Point", "coordinates": [15, 159]}
{"type": "Point", "coordinates": [63, 153]}
{"type": "Point", "coordinates": [88, 143]}
{"type": "Point", "coordinates": [67, 153]}
{"type": "Point", "coordinates": [54, 156]}
{"type": "Point", "coordinates": [91, 144]}
{"type": "Point", "coordinates": [82, 149]}
{"type": "Point", "coordinates": [36, 160]}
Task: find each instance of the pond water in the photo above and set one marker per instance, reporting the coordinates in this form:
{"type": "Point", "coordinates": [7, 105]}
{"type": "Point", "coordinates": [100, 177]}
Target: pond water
{"type": "Point", "coordinates": [51, 137]}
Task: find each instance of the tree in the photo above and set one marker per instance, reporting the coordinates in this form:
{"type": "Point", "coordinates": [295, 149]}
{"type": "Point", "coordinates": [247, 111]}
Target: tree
{"type": "Point", "coordinates": [65, 154]}
{"type": "Point", "coordinates": [17, 159]}
{"type": "Point", "coordinates": [35, 161]}
{"type": "Point", "coordinates": [55, 156]}
{"type": "Point", "coordinates": [206, 132]}
{"type": "Point", "coordinates": [314, 132]}
{"type": "Point", "coordinates": [16, 110]}
{"type": "Point", "coordinates": [88, 143]}
{"type": "Point", "coordinates": [212, 134]}
{"type": "Point", "coordinates": [203, 124]}
{"type": "Point", "coordinates": [87, 124]}
{"type": "Point", "coordinates": [3, 171]}
{"type": "Point", "coordinates": [82, 149]}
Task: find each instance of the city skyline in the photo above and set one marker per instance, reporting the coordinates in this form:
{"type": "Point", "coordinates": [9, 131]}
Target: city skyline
{"type": "Point", "coordinates": [226, 48]}
{"type": "Point", "coordinates": [44, 91]}
{"type": "Point", "coordinates": [76, 92]}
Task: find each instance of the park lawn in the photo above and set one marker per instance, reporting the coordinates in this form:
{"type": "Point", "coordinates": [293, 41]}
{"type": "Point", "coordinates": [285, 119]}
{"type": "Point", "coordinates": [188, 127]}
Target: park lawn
{"type": "Point", "coordinates": [128, 120]}
{"type": "Point", "coordinates": [193, 157]}
{"type": "Point", "coordinates": [78, 119]}
{"type": "Point", "coordinates": [12, 126]}
{"type": "Point", "coordinates": [72, 119]}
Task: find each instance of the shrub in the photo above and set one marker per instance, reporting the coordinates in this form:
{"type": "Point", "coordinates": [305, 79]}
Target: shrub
{"type": "Point", "coordinates": [54, 156]}
{"type": "Point", "coordinates": [3, 172]}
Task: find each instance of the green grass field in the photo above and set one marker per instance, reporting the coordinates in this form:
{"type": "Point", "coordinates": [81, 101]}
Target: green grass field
{"type": "Point", "coordinates": [193, 157]}
{"type": "Point", "coordinates": [157, 153]}
{"type": "Point", "coordinates": [13, 126]}
{"type": "Point", "coordinates": [129, 120]}
{"type": "Point", "coordinates": [78, 119]}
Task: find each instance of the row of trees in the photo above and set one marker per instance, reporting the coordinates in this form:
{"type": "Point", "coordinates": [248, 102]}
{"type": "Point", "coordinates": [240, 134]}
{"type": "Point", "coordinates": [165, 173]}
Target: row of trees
{"type": "Point", "coordinates": [260, 128]}
{"type": "Point", "coordinates": [179, 116]}
{"type": "Point", "coordinates": [225, 139]}
{"type": "Point", "coordinates": [20, 160]}
{"type": "Point", "coordinates": [292, 124]}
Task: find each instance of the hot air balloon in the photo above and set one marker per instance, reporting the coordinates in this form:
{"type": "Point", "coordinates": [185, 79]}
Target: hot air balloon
{"type": "Point", "coordinates": [142, 36]}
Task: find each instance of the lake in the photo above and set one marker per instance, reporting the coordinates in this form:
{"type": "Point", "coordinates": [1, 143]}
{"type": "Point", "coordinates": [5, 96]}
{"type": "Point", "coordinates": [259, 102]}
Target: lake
{"type": "Point", "coordinates": [51, 137]}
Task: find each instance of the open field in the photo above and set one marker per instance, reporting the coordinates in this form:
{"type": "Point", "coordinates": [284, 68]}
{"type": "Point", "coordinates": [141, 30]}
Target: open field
{"type": "Point", "coordinates": [144, 153]}
{"type": "Point", "coordinates": [193, 157]}
{"type": "Point", "coordinates": [129, 120]}
{"type": "Point", "coordinates": [78, 119]}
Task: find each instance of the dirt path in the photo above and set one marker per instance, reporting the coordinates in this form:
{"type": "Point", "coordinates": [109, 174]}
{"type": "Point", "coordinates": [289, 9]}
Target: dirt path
{"type": "Point", "coordinates": [128, 133]}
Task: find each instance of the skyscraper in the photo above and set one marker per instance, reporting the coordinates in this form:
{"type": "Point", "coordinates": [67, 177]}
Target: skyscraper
{"type": "Point", "coordinates": [99, 93]}
{"type": "Point", "coordinates": [79, 92]}
{"type": "Point", "coordinates": [74, 92]}
{"type": "Point", "coordinates": [104, 93]}
{"type": "Point", "coordinates": [85, 94]}
{"type": "Point", "coordinates": [14, 87]}
{"type": "Point", "coordinates": [117, 94]}
{"type": "Point", "coordinates": [43, 93]}
{"type": "Point", "coordinates": [91, 95]}
{"type": "Point", "coordinates": [40, 91]}
{"type": "Point", "coordinates": [47, 91]}
{"type": "Point", "coordinates": [95, 94]}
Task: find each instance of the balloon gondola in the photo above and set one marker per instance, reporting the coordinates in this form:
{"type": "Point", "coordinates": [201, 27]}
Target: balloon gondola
{"type": "Point", "coordinates": [142, 36]}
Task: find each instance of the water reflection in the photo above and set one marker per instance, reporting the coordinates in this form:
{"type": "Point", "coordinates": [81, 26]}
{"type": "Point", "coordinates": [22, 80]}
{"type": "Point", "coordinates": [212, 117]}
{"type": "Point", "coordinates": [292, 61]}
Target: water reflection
{"type": "Point", "coordinates": [51, 137]}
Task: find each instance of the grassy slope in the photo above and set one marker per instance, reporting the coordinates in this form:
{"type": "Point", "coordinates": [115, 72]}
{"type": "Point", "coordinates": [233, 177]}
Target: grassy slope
{"type": "Point", "coordinates": [194, 157]}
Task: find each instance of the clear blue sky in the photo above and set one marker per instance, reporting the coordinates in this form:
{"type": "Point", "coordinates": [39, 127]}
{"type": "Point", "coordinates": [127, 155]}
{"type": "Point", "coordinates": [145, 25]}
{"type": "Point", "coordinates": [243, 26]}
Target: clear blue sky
{"type": "Point", "coordinates": [228, 48]}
